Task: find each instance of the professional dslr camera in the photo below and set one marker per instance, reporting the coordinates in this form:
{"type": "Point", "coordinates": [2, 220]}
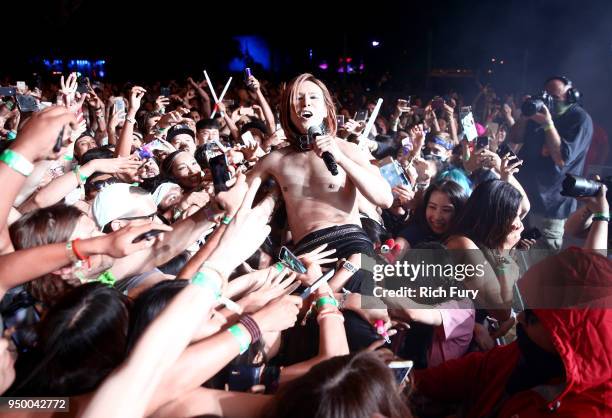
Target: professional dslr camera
{"type": "Point", "coordinates": [575, 186]}
{"type": "Point", "coordinates": [534, 104]}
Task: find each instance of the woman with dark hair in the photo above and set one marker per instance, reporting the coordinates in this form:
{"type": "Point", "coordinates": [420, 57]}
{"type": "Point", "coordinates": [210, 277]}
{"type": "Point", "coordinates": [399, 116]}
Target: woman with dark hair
{"type": "Point", "coordinates": [488, 227]}
{"type": "Point", "coordinates": [356, 386]}
{"type": "Point", "coordinates": [182, 168]}
{"type": "Point", "coordinates": [79, 342]}
{"type": "Point", "coordinates": [434, 216]}
{"type": "Point", "coordinates": [490, 218]}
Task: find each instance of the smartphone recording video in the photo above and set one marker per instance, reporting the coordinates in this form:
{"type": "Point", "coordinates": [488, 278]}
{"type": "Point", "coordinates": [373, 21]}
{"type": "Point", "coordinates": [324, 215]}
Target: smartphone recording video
{"type": "Point", "coordinates": [504, 150]}
{"type": "Point", "coordinates": [340, 121]}
{"type": "Point", "coordinates": [437, 103]}
{"type": "Point", "coordinates": [7, 91]}
{"type": "Point", "coordinates": [467, 123]}
{"type": "Point", "coordinates": [361, 115]}
{"type": "Point", "coordinates": [83, 84]}
{"type": "Point", "coordinates": [482, 142]}
{"type": "Point", "coordinates": [393, 172]}
{"type": "Point", "coordinates": [401, 370]}
{"type": "Point", "coordinates": [220, 172]}
{"type": "Point", "coordinates": [119, 108]}
{"type": "Point", "coordinates": [404, 102]}
{"type": "Point", "coordinates": [27, 103]}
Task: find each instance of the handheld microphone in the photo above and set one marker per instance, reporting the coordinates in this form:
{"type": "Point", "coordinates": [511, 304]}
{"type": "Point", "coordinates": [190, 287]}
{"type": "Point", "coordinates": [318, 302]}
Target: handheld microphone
{"type": "Point", "coordinates": [330, 161]}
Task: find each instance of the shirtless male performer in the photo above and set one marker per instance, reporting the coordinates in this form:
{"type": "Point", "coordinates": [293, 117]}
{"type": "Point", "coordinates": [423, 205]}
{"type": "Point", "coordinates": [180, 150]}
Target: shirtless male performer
{"type": "Point", "coordinates": [321, 207]}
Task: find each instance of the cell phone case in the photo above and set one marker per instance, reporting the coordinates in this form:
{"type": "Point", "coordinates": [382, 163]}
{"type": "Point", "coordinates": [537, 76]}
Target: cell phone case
{"type": "Point", "coordinates": [291, 261]}
{"type": "Point", "coordinates": [394, 174]}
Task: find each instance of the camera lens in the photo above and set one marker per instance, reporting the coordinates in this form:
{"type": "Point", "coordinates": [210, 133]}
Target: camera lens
{"type": "Point", "coordinates": [531, 106]}
{"type": "Point", "coordinates": [575, 186]}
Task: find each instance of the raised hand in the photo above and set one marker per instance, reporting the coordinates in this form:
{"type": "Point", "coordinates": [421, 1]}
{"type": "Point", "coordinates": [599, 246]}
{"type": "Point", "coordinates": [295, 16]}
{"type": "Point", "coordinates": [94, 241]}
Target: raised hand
{"type": "Point", "coordinates": [68, 88]}
{"type": "Point", "coordinates": [244, 234]}
{"type": "Point", "coordinates": [173, 118]}
{"type": "Point", "coordinates": [354, 127]}
{"type": "Point", "coordinates": [313, 261]}
{"type": "Point", "coordinates": [253, 84]}
{"type": "Point", "coordinates": [121, 242]}
{"type": "Point", "coordinates": [507, 169]}
{"type": "Point", "coordinates": [277, 284]}
{"type": "Point", "coordinates": [161, 103]}
{"type": "Point", "coordinates": [136, 95]}
{"type": "Point", "coordinates": [279, 315]}
{"type": "Point", "coordinates": [39, 135]}
{"type": "Point", "coordinates": [121, 165]}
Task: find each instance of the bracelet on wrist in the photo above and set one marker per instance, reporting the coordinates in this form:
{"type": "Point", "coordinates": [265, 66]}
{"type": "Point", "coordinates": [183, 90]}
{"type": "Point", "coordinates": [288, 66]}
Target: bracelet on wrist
{"type": "Point", "coordinates": [107, 278]}
{"type": "Point", "coordinates": [601, 216]}
{"type": "Point", "coordinates": [326, 300]}
{"type": "Point", "coordinates": [243, 338]}
{"type": "Point", "coordinates": [201, 279]}
{"type": "Point", "coordinates": [81, 178]}
{"type": "Point", "coordinates": [70, 253]}
{"type": "Point", "coordinates": [17, 162]}
{"type": "Point", "coordinates": [249, 323]}
{"type": "Point", "coordinates": [78, 253]}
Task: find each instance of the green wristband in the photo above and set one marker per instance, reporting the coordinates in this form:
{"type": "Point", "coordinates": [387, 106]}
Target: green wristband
{"type": "Point", "coordinates": [201, 280]}
{"type": "Point", "coordinates": [326, 300]}
{"type": "Point", "coordinates": [17, 162]}
{"type": "Point", "coordinates": [226, 220]}
{"type": "Point", "coordinates": [107, 278]}
{"type": "Point", "coordinates": [243, 338]}
{"type": "Point", "coordinates": [601, 214]}
{"type": "Point", "coordinates": [77, 171]}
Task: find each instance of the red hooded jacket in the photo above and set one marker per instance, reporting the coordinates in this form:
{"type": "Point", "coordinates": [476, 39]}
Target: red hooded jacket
{"type": "Point", "coordinates": [582, 337]}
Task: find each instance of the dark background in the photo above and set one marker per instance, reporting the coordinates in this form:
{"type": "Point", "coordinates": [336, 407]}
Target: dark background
{"type": "Point", "coordinates": [147, 40]}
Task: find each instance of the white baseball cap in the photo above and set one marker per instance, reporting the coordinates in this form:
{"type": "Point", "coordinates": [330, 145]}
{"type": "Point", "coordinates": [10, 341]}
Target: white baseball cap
{"type": "Point", "coordinates": [162, 191]}
{"type": "Point", "coordinates": [117, 201]}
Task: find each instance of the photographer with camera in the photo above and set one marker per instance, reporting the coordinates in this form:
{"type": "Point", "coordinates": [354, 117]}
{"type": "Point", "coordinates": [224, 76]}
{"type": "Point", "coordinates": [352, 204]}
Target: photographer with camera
{"type": "Point", "coordinates": [556, 134]}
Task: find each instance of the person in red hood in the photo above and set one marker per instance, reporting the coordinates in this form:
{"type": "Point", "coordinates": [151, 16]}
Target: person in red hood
{"type": "Point", "coordinates": [560, 364]}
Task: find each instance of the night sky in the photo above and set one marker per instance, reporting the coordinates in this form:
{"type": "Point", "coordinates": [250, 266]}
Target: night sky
{"type": "Point", "coordinates": [534, 38]}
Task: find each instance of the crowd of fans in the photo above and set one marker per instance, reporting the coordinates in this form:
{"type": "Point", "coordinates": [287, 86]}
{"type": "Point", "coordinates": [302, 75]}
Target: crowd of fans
{"type": "Point", "coordinates": [142, 225]}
